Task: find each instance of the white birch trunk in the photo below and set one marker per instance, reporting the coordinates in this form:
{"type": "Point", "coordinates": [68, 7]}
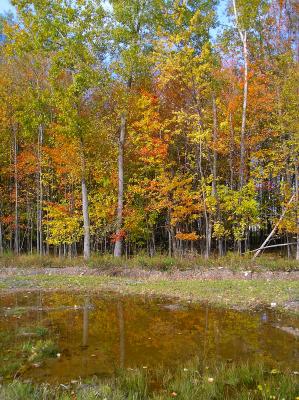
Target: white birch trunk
{"type": "Point", "coordinates": [243, 36]}
{"type": "Point", "coordinates": [86, 224]}
{"type": "Point", "coordinates": [120, 200]}
{"type": "Point", "coordinates": [85, 206]}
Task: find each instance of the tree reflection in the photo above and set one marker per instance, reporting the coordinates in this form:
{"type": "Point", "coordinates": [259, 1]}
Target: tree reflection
{"type": "Point", "coordinates": [85, 322]}
{"type": "Point", "coordinates": [121, 324]}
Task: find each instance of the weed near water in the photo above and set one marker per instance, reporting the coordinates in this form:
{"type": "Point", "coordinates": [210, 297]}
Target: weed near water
{"type": "Point", "coordinates": [193, 382]}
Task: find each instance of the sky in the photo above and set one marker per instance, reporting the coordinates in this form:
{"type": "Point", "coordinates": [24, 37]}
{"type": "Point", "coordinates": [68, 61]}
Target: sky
{"type": "Point", "coordinates": [5, 6]}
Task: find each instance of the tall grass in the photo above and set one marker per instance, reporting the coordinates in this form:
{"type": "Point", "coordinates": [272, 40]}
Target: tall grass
{"type": "Point", "coordinates": [193, 382]}
{"type": "Point", "coordinates": [159, 262]}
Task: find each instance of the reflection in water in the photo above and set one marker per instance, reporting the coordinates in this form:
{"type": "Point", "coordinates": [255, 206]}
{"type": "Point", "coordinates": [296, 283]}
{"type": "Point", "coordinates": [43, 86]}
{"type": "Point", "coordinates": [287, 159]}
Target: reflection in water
{"type": "Point", "coordinates": [121, 324]}
{"type": "Point", "coordinates": [85, 322]}
{"type": "Point", "coordinates": [264, 317]}
{"type": "Point", "coordinates": [85, 357]}
{"type": "Point", "coordinates": [106, 333]}
{"type": "Point", "coordinates": [205, 335]}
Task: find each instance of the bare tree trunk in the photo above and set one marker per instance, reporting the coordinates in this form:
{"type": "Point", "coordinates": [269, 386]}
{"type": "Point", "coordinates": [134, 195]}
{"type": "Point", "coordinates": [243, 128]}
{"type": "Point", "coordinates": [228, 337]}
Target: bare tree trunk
{"type": "Point", "coordinates": [215, 134]}
{"type": "Point", "coordinates": [214, 182]}
{"type": "Point", "coordinates": [85, 207]}
{"type": "Point", "coordinates": [152, 244]}
{"type": "Point", "coordinates": [242, 144]}
{"type": "Point", "coordinates": [231, 151]}
{"type": "Point", "coordinates": [169, 243]}
{"type": "Point", "coordinates": [40, 192]}
{"type": "Point", "coordinates": [1, 237]}
{"type": "Point", "coordinates": [173, 241]}
{"type": "Point", "coordinates": [86, 224]}
{"type": "Point", "coordinates": [28, 223]}
{"type": "Point", "coordinates": [31, 233]}
{"type": "Point", "coordinates": [16, 238]}
{"type": "Point", "coordinates": [120, 199]}
{"type": "Point", "coordinates": [243, 36]}
{"type": "Point", "coordinates": [297, 209]}
{"type": "Point", "coordinates": [206, 215]}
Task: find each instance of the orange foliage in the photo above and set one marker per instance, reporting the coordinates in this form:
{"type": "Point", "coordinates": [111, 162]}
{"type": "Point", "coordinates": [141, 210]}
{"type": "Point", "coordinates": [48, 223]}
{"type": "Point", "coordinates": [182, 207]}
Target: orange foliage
{"type": "Point", "coordinates": [192, 236]}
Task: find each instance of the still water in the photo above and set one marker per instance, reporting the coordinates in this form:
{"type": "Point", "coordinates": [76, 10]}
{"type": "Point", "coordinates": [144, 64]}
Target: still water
{"type": "Point", "coordinates": [100, 333]}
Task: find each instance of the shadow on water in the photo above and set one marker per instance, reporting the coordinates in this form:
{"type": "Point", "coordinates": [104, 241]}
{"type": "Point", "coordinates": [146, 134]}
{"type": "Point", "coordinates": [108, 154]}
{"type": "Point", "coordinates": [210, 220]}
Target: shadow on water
{"type": "Point", "coordinates": [99, 334]}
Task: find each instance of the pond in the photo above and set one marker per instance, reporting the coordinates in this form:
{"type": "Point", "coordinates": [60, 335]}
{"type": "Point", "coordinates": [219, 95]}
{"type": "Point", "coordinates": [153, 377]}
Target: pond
{"type": "Point", "coordinates": [60, 336]}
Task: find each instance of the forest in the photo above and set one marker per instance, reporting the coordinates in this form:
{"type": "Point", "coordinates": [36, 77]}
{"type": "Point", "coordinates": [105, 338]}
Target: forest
{"type": "Point", "coordinates": [149, 126]}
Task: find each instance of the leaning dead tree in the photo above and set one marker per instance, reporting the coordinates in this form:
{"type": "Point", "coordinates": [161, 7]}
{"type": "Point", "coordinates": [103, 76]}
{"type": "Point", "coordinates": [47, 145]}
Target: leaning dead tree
{"type": "Point", "coordinates": [258, 251]}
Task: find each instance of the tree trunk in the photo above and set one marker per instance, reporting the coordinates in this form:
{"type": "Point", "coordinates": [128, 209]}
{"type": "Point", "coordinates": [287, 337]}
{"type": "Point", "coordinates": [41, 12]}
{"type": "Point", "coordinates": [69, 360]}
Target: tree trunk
{"type": "Point", "coordinates": [215, 135]}
{"type": "Point", "coordinates": [86, 225]}
{"type": "Point", "coordinates": [120, 199]}
{"type": "Point", "coordinates": [297, 209]}
{"type": "Point", "coordinates": [173, 241]}
{"type": "Point", "coordinates": [231, 151]}
{"type": "Point", "coordinates": [40, 192]}
{"type": "Point", "coordinates": [152, 244]}
{"type": "Point", "coordinates": [214, 182]}
{"type": "Point", "coordinates": [206, 215]}
{"type": "Point", "coordinates": [16, 238]}
{"type": "Point", "coordinates": [243, 36]}
{"type": "Point", "coordinates": [243, 127]}
{"type": "Point", "coordinates": [85, 207]}
{"type": "Point", "coordinates": [1, 237]}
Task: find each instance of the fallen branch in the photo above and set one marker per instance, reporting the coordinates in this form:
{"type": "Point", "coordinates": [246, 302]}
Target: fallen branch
{"type": "Point", "coordinates": [273, 245]}
{"type": "Point", "coordinates": [274, 229]}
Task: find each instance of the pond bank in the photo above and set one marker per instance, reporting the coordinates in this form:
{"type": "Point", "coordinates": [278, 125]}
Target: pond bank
{"type": "Point", "coordinates": [241, 291]}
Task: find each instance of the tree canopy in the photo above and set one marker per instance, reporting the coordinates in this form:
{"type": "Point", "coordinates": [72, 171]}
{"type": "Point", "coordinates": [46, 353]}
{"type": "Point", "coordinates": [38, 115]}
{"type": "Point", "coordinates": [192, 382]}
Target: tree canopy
{"type": "Point", "coordinates": [131, 126]}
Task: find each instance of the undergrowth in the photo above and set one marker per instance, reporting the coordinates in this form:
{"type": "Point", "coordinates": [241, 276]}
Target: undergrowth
{"type": "Point", "coordinates": [107, 262]}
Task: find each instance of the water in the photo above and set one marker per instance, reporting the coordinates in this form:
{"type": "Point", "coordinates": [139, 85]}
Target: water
{"type": "Point", "coordinates": [100, 333]}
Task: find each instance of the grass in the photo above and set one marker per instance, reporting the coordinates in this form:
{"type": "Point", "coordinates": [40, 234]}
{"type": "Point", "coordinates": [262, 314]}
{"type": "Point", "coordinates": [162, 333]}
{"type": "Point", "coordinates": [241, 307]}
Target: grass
{"type": "Point", "coordinates": [241, 294]}
{"type": "Point", "coordinates": [193, 382]}
{"type": "Point", "coordinates": [107, 262]}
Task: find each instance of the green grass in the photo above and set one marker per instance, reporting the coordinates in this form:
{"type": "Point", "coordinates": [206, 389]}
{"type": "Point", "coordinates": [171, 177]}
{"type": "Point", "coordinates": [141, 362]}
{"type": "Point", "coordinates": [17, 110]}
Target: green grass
{"type": "Point", "coordinates": [194, 381]}
{"type": "Point", "coordinates": [107, 262]}
{"type": "Point", "coordinates": [242, 294]}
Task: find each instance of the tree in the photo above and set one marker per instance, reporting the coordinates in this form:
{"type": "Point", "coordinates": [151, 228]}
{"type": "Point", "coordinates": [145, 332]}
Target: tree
{"type": "Point", "coordinates": [66, 32]}
{"type": "Point", "coordinates": [133, 27]}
